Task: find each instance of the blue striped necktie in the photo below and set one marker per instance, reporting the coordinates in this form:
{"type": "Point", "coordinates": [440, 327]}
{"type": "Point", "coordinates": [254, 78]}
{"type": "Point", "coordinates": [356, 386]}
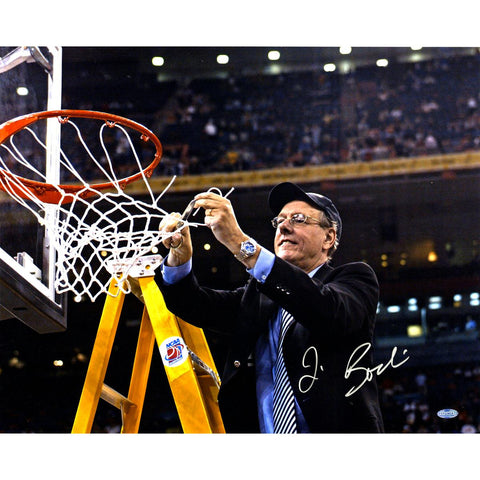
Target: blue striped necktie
{"type": "Point", "coordinates": [284, 420]}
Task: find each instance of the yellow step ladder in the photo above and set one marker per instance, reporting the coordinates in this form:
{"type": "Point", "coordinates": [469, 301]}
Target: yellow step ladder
{"type": "Point", "coordinates": [185, 354]}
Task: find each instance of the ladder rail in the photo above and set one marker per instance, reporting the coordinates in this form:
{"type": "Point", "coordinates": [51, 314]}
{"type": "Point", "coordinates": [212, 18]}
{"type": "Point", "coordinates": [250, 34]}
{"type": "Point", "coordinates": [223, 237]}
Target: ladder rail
{"type": "Point", "coordinates": [100, 356]}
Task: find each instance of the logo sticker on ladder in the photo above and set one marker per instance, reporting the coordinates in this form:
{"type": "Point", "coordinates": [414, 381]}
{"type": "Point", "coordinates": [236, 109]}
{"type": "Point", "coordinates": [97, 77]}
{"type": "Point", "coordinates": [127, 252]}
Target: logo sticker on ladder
{"type": "Point", "coordinates": [173, 351]}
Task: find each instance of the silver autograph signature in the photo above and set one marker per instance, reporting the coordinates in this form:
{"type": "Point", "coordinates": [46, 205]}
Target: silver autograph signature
{"type": "Point", "coordinates": [306, 381]}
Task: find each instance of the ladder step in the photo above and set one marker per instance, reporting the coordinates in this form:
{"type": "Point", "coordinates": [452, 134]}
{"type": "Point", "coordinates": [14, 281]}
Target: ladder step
{"type": "Point", "coordinates": [115, 398]}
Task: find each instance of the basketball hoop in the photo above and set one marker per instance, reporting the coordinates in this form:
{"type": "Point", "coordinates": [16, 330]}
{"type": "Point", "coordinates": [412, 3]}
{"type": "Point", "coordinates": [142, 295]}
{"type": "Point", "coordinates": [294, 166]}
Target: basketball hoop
{"type": "Point", "coordinates": [48, 193]}
{"type": "Point", "coordinates": [94, 224]}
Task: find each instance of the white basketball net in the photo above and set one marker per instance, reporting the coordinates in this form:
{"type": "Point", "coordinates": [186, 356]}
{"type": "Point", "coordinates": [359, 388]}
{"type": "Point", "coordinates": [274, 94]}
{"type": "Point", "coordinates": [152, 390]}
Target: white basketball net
{"type": "Point", "coordinates": [98, 237]}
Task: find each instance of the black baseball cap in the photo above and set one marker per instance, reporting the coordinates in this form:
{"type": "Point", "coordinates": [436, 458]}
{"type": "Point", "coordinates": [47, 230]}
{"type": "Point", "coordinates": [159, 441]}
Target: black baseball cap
{"type": "Point", "coordinates": [286, 192]}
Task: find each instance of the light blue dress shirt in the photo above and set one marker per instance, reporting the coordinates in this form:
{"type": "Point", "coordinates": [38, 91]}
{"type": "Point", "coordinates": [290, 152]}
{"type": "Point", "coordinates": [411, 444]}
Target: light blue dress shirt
{"type": "Point", "coordinates": [173, 275]}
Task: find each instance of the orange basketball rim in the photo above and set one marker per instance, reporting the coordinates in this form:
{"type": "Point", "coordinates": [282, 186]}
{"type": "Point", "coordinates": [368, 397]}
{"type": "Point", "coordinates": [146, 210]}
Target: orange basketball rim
{"type": "Point", "coordinates": [54, 194]}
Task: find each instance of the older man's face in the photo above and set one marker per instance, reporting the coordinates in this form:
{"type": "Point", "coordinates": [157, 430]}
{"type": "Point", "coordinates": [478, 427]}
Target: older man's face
{"type": "Point", "coordinates": [304, 245]}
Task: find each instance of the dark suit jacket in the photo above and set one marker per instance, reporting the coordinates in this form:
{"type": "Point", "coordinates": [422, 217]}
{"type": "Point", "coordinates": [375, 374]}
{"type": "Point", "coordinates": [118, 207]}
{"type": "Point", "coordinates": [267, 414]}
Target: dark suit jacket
{"type": "Point", "coordinates": [329, 340]}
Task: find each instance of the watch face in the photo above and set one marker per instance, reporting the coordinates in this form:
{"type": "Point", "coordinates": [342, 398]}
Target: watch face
{"type": "Point", "coordinates": [249, 248]}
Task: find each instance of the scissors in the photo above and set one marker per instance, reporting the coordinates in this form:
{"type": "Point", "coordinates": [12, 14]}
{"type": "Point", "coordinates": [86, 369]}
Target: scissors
{"type": "Point", "coordinates": [188, 211]}
{"type": "Point", "coordinates": [186, 214]}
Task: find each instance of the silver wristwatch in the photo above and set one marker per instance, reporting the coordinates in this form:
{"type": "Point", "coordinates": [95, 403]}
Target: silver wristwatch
{"type": "Point", "coordinates": [247, 249]}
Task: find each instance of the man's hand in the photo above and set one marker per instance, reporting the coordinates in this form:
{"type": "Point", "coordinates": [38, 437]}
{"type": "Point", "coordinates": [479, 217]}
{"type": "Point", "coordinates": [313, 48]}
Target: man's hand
{"type": "Point", "coordinates": [220, 218]}
{"type": "Point", "coordinates": [180, 243]}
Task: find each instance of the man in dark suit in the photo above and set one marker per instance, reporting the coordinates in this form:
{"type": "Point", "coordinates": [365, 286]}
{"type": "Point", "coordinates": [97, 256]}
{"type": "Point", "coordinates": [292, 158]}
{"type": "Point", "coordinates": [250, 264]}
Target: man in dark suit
{"type": "Point", "coordinates": [300, 331]}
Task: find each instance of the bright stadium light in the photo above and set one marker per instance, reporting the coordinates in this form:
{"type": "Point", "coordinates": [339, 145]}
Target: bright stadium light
{"type": "Point", "coordinates": [414, 331]}
{"type": "Point", "coordinates": [273, 55]}
{"type": "Point", "coordinates": [222, 59]}
{"type": "Point", "coordinates": [382, 62]}
{"type": "Point", "coordinates": [474, 299]}
{"type": "Point", "coordinates": [345, 50]}
{"type": "Point", "coordinates": [435, 303]}
{"type": "Point", "coordinates": [393, 309]}
{"type": "Point", "coordinates": [412, 305]}
{"type": "Point", "coordinates": [329, 67]}
{"type": "Point", "coordinates": [158, 61]}
{"type": "Point", "coordinates": [22, 91]}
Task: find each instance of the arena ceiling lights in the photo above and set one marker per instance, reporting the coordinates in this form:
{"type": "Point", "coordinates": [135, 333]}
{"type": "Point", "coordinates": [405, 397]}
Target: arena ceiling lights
{"type": "Point", "coordinates": [272, 55]}
{"type": "Point", "coordinates": [175, 62]}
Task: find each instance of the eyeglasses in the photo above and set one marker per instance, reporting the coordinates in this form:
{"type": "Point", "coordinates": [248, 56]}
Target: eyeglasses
{"type": "Point", "coordinates": [295, 219]}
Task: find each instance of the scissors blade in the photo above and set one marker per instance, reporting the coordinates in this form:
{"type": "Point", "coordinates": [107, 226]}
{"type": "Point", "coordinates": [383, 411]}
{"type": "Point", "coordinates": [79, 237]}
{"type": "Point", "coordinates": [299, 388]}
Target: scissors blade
{"type": "Point", "coordinates": [188, 211]}
{"type": "Point", "coordinates": [186, 214]}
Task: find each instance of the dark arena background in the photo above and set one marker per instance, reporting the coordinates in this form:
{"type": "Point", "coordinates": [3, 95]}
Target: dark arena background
{"type": "Point", "coordinates": [392, 135]}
